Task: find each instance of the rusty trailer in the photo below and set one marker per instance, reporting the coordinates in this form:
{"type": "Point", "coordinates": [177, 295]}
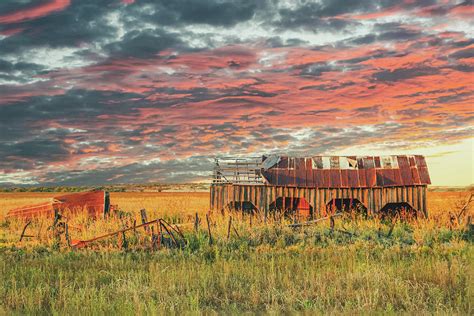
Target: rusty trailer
{"type": "Point", "coordinates": [316, 186]}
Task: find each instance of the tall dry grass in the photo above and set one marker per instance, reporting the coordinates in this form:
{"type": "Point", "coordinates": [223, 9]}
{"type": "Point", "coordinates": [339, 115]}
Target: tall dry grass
{"type": "Point", "coordinates": [357, 266]}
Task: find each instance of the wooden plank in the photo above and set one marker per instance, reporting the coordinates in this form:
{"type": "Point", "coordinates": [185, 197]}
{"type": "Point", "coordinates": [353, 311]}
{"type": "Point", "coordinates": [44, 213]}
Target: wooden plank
{"type": "Point", "coordinates": [425, 207]}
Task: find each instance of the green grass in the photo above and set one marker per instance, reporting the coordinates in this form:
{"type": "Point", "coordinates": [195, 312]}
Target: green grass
{"type": "Point", "coordinates": [266, 269]}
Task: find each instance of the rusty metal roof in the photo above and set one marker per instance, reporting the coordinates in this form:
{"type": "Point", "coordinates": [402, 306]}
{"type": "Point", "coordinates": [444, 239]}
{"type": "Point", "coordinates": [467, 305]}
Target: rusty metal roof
{"type": "Point", "coordinates": [348, 171]}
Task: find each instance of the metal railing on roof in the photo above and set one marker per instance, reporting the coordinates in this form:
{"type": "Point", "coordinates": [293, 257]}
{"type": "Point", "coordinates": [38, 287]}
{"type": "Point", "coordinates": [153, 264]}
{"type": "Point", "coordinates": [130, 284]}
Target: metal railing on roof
{"type": "Point", "coordinates": [238, 170]}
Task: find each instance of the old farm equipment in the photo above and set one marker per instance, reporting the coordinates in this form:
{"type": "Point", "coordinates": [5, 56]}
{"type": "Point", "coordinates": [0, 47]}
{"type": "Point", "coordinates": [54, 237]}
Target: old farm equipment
{"type": "Point", "coordinates": [318, 186]}
{"type": "Point", "coordinates": [94, 204]}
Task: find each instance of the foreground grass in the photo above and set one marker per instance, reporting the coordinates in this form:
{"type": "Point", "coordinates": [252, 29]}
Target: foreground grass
{"type": "Point", "coordinates": [358, 266]}
{"type": "Point", "coordinates": [237, 276]}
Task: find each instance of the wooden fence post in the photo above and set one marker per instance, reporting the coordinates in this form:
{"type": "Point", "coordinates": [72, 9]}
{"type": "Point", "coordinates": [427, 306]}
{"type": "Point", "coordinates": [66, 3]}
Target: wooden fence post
{"type": "Point", "coordinates": [228, 227]}
{"type": "Point", "coordinates": [209, 229]}
{"type": "Point", "coordinates": [144, 219]}
{"type": "Point", "coordinates": [196, 223]}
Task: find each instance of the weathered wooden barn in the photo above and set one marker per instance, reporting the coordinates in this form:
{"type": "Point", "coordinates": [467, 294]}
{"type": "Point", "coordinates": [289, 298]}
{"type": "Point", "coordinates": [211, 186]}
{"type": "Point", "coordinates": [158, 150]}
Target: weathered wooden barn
{"type": "Point", "coordinates": [315, 186]}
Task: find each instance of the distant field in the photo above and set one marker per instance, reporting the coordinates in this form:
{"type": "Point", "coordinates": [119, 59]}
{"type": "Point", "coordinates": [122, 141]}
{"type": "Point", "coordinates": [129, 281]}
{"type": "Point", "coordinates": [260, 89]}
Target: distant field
{"type": "Point", "coordinates": [187, 203]}
{"type": "Point", "coordinates": [359, 266]}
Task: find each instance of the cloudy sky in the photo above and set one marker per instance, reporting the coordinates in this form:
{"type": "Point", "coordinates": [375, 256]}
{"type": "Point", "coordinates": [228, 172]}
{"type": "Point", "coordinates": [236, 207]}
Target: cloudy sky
{"type": "Point", "coordinates": [119, 91]}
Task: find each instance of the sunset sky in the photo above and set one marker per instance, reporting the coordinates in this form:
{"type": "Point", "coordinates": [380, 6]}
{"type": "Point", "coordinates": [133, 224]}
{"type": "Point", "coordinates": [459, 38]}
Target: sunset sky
{"type": "Point", "coordinates": [95, 92]}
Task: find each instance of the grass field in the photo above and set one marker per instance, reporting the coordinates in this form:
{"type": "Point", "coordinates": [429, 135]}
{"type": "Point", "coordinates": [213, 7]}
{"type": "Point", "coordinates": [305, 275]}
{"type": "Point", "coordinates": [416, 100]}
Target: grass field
{"type": "Point", "coordinates": [359, 266]}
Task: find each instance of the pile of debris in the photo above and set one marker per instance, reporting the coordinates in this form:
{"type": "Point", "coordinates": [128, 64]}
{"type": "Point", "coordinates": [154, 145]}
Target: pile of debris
{"type": "Point", "coordinates": [93, 204]}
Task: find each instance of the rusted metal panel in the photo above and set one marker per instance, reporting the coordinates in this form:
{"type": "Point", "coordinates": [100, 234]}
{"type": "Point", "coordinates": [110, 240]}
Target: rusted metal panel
{"type": "Point", "coordinates": [283, 164]}
{"type": "Point", "coordinates": [92, 203]}
{"type": "Point", "coordinates": [405, 171]}
{"type": "Point", "coordinates": [335, 178]}
{"type": "Point", "coordinates": [268, 175]}
{"type": "Point", "coordinates": [362, 178]}
{"type": "Point", "coordinates": [353, 178]}
{"type": "Point", "coordinates": [309, 174]}
{"type": "Point", "coordinates": [397, 177]}
{"type": "Point", "coordinates": [299, 163]}
{"type": "Point", "coordinates": [344, 179]}
{"type": "Point", "coordinates": [424, 175]}
{"type": "Point", "coordinates": [31, 211]}
{"type": "Point", "coordinates": [283, 177]}
{"type": "Point", "coordinates": [415, 175]}
{"type": "Point", "coordinates": [326, 178]}
{"type": "Point", "coordinates": [290, 177]}
{"type": "Point", "coordinates": [309, 164]}
{"type": "Point", "coordinates": [371, 177]}
{"type": "Point", "coordinates": [388, 177]}
{"type": "Point", "coordinates": [300, 172]}
{"type": "Point", "coordinates": [317, 178]}
{"type": "Point", "coordinates": [380, 177]}
{"type": "Point", "coordinates": [420, 161]}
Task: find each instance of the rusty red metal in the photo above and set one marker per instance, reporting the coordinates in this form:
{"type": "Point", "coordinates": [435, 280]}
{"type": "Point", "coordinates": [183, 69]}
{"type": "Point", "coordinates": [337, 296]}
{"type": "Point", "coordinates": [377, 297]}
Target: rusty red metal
{"type": "Point", "coordinates": [353, 172]}
{"type": "Point", "coordinates": [94, 204]}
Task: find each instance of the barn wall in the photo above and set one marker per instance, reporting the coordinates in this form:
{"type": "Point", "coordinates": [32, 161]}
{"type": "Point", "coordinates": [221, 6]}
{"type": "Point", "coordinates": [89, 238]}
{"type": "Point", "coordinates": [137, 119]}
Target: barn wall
{"type": "Point", "coordinates": [262, 196]}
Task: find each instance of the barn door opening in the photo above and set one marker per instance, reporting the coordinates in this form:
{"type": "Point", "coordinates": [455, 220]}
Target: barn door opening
{"type": "Point", "coordinates": [346, 205]}
{"type": "Point", "coordinates": [292, 206]}
{"type": "Point", "coordinates": [246, 207]}
{"type": "Point", "coordinates": [401, 210]}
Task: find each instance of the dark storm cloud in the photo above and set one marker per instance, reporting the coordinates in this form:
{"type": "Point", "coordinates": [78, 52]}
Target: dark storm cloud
{"type": "Point", "coordinates": [83, 21]}
{"type": "Point", "coordinates": [301, 18]}
{"type": "Point", "coordinates": [20, 72]}
{"type": "Point", "coordinates": [7, 67]}
{"type": "Point", "coordinates": [462, 68]}
{"type": "Point", "coordinates": [464, 53]}
{"type": "Point", "coordinates": [368, 109]}
{"type": "Point", "coordinates": [328, 87]}
{"type": "Point", "coordinates": [144, 43]}
{"type": "Point", "coordinates": [388, 32]}
{"type": "Point", "coordinates": [178, 12]}
{"type": "Point", "coordinates": [224, 13]}
{"type": "Point", "coordinates": [191, 168]}
{"type": "Point", "coordinates": [38, 149]}
{"type": "Point", "coordinates": [404, 73]}
{"type": "Point", "coordinates": [277, 41]}
{"type": "Point", "coordinates": [24, 133]}
{"type": "Point", "coordinates": [73, 106]}
{"type": "Point", "coordinates": [329, 8]}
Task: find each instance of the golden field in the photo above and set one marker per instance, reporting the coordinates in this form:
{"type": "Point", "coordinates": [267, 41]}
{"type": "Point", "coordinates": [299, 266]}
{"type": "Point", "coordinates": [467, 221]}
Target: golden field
{"type": "Point", "coordinates": [184, 204]}
{"type": "Point", "coordinates": [358, 266]}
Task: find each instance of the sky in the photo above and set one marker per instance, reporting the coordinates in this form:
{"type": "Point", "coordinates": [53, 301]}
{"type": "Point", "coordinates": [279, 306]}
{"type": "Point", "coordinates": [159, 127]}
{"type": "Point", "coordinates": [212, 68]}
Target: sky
{"type": "Point", "coordinates": [122, 91]}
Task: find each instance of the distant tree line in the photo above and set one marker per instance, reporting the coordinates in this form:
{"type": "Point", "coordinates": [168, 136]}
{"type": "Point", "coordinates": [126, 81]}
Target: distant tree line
{"type": "Point", "coordinates": [109, 188]}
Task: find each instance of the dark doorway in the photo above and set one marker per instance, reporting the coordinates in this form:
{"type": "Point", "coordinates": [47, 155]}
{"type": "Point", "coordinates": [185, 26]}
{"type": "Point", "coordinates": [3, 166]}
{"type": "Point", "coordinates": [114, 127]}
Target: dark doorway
{"type": "Point", "coordinates": [242, 206]}
{"type": "Point", "coordinates": [293, 206]}
{"type": "Point", "coordinates": [346, 205]}
{"type": "Point", "coordinates": [403, 210]}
